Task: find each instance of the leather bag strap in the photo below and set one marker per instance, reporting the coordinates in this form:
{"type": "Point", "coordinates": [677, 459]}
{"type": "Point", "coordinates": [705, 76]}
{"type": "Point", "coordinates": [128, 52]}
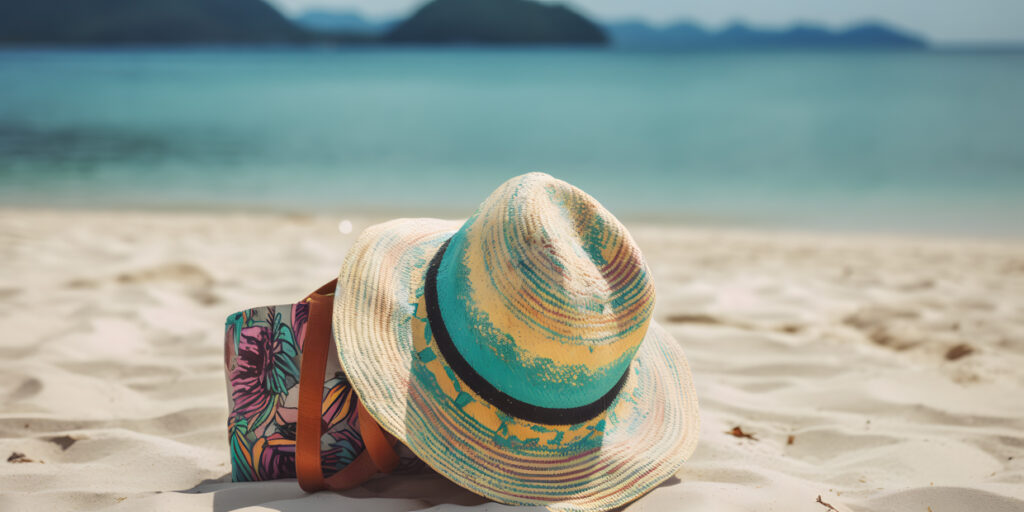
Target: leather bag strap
{"type": "Point", "coordinates": [379, 453]}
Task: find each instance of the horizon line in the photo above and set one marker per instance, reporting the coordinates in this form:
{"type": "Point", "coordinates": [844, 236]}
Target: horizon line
{"type": "Point", "coordinates": [715, 27]}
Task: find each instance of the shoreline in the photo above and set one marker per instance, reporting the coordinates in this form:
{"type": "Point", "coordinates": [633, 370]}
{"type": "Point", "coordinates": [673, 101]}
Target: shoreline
{"type": "Point", "coordinates": [371, 216]}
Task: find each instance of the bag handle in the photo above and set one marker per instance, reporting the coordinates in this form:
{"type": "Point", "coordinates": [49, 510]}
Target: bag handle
{"type": "Point", "coordinates": [379, 453]}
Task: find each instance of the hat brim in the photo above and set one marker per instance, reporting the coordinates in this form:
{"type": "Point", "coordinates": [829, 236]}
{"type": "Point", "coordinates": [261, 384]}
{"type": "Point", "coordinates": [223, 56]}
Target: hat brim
{"type": "Point", "coordinates": [385, 347]}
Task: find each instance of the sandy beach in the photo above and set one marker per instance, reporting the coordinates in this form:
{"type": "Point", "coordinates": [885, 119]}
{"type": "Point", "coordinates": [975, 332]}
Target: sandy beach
{"type": "Point", "coordinates": [865, 373]}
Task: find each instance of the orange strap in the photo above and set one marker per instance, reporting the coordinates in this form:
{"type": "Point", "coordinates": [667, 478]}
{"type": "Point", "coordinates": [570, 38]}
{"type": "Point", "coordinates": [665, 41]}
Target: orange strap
{"type": "Point", "coordinates": [311, 385]}
{"type": "Point", "coordinates": [379, 454]}
{"type": "Point", "coordinates": [379, 444]}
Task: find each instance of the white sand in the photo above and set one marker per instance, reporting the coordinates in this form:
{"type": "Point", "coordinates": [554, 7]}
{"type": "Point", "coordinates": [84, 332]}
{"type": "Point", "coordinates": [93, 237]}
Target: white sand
{"type": "Point", "coordinates": [112, 325]}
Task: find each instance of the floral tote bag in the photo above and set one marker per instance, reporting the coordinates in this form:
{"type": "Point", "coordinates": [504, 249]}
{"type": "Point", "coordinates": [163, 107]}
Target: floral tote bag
{"type": "Point", "coordinates": [262, 359]}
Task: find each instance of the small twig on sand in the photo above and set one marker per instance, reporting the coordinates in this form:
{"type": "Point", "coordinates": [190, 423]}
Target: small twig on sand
{"type": "Point", "coordinates": [738, 432]}
{"type": "Point", "coordinates": [959, 351]}
{"type": "Point", "coordinates": [18, 458]}
{"type": "Point", "coordinates": [829, 505]}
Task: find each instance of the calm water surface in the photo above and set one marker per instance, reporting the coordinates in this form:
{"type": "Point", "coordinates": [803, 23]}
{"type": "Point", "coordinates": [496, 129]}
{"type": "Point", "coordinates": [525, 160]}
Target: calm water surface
{"type": "Point", "coordinates": [893, 141]}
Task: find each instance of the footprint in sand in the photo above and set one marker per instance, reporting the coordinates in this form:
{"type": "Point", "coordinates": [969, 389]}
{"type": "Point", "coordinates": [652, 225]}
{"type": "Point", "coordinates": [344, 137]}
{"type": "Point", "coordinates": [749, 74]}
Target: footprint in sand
{"type": "Point", "coordinates": [28, 388]}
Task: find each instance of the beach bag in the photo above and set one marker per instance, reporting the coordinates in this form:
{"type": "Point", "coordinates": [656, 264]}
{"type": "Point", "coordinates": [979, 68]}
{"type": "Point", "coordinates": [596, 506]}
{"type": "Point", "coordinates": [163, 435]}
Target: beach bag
{"type": "Point", "coordinates": [292, 411]}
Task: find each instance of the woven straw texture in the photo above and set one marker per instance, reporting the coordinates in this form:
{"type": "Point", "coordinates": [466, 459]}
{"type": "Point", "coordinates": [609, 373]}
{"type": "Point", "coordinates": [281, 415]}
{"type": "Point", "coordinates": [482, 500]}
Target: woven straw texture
{"type": "Point", "coordinates": [547, 296]}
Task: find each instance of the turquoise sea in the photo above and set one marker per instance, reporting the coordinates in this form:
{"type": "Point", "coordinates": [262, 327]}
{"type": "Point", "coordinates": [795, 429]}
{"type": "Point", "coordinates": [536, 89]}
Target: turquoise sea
{"type": "Point", "coordinates": [929, 142]}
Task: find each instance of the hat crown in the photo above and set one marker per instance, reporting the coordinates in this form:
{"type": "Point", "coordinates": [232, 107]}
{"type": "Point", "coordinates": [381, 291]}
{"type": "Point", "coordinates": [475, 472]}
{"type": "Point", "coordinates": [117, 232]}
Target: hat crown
{"type": "Point", "coordinates": [545, 293]}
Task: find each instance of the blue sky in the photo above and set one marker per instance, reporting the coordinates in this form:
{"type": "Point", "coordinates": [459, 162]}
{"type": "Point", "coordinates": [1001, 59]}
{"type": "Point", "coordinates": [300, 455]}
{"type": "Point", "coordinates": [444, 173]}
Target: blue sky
{"type": "Point", "coordinates": [942, 21]}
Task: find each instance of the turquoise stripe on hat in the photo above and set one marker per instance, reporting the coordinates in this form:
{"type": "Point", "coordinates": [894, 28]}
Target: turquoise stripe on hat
{"type": "Point", "coordinates": [493, 354]}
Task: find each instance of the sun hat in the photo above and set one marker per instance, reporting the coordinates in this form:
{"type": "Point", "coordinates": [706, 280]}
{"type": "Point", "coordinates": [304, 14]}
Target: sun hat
{"type": "Point", "coordinates": [515, 353]}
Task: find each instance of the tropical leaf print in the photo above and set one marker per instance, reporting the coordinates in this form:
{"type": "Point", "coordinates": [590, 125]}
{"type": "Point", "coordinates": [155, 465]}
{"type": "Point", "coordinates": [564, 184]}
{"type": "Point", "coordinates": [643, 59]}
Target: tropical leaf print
{"type": "Point", "coordinates": [242, 467]}
{"type": "Point", "coordinates": [262, 361]}
{"type": "Point", "coordinates": [265, 368]}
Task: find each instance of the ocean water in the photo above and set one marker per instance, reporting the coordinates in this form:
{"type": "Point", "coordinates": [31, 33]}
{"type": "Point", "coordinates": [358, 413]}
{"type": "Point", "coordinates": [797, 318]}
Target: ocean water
{"type": "Point", "coordinates": [921, 142]}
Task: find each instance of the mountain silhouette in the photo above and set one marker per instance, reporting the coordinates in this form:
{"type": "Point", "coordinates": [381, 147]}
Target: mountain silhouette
{"type": "Point", "coordinates": [341, 22]}
{"type": "Point", "coordinates": [437, 22]}
{"type": "Point", "coordinates": [496, 22]}
{"type": "Point", "coordinates": [144, 21]}
{"type": "Point", "coordinates": [688, 35]}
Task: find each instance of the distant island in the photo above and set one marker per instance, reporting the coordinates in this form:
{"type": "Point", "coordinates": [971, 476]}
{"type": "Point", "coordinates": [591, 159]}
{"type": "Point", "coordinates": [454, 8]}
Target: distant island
{"type": "Point", "coordinates": [681, 35]}
{"type": "Point", "coordinates": [144, 21]}
{"type": "Point", "coordinates": [495, 22]}
{"type": "Point", "coordinates": [482, 22]}
{"type": "Point", "coordinates": [691, 36]}
{"type": "Point", "coordinates": [342, 22]}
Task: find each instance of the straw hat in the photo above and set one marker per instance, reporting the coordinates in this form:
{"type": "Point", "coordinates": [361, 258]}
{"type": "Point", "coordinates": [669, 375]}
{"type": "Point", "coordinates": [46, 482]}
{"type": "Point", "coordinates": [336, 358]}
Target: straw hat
{"type": "Point", "coordinates": [515, 353]}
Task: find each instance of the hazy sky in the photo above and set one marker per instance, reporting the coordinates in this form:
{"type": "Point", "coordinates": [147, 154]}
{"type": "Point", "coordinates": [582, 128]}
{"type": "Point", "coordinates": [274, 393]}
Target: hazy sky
{"type": "Point", "coordinates": [943, 21]}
